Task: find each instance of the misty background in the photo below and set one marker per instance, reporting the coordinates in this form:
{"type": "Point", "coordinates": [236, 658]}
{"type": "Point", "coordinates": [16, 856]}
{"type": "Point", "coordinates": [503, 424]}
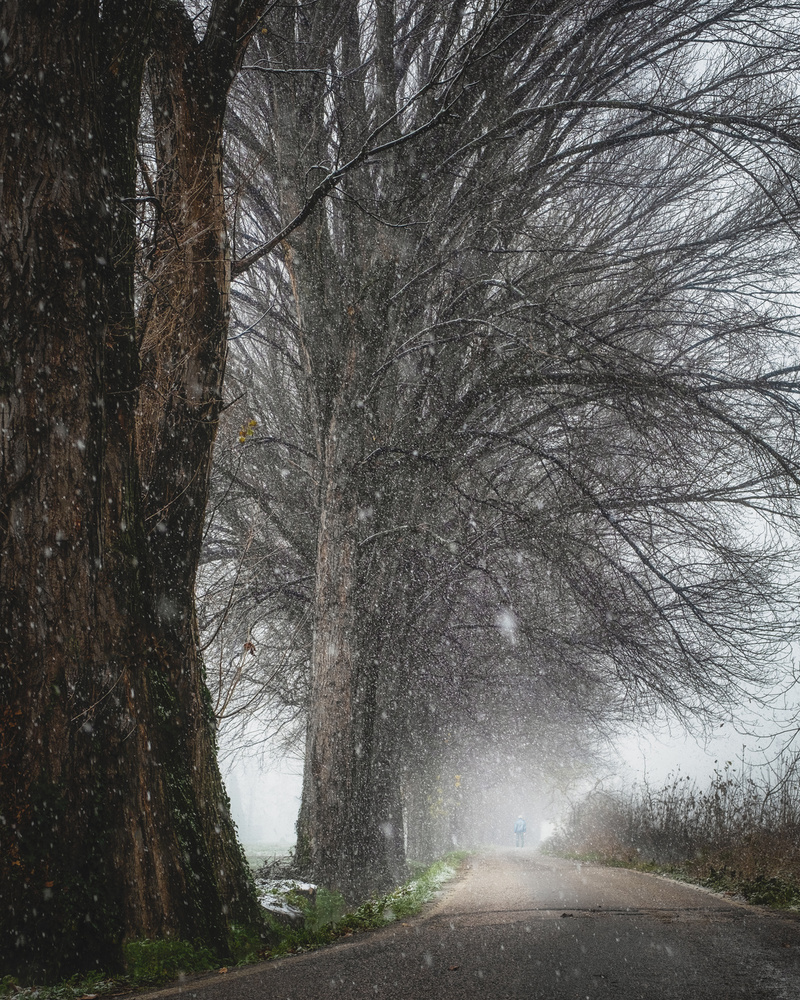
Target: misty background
{"type": "Point", "coordinates": [265, 789]}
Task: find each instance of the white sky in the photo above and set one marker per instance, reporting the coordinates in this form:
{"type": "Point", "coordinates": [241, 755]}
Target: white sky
{"type": "Point", "coordinates": [265, 800]}
{"type": "Point", "coordinates": [758, 737]}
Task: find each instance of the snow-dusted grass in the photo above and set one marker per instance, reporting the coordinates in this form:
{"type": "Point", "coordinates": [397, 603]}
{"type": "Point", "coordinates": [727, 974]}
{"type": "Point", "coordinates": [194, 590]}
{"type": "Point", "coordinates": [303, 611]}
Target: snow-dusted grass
{"type": "Point", "coordinates": [327, 919]}
{"type": "Point", "coordinates": [94, 984]}
{"type": "Point", "coordinates": [408, 899]}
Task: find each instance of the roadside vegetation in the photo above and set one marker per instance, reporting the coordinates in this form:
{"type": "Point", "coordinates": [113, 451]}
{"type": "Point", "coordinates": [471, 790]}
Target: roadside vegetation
{"type": "Point", "coordinates": [328, 918]}
{"type": "Point", "coordinates": [740, 835]}
{"type": "Point", "coordinates": [151, 963]}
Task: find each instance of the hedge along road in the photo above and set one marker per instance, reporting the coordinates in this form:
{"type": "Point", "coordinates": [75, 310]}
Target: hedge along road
{"type": "Point", "coordinates": [517, 924]}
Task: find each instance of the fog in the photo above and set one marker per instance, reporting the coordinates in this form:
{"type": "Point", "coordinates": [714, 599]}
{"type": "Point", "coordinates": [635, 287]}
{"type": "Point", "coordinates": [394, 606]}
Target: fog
{"type": "Point", "coordinates": [265, 791]}
{"type": "Point", "coordinates": [265, 799]}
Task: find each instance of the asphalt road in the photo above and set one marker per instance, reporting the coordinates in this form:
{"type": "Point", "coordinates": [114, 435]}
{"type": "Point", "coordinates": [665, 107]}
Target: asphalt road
{"type": "Point", "coordinates": [516, 924]}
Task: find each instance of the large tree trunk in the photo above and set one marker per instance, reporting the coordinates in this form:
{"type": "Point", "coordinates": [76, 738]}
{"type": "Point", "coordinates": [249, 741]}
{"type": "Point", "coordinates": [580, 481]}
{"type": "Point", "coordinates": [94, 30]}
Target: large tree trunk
{"type": "Point", "coordinates": [113, 820]}
{"type": "Point", "coordinates": [183, 323]}
{"type": "Point", "coordinates": [183, 329]}
{"type": "Point", "coordinates": [350, 829]}
{"type": "Point", "coordinates": [326, 815]}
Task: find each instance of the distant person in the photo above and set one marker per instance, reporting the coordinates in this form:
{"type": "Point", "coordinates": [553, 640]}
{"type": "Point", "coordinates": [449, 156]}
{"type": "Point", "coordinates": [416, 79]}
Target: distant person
{"type": "Point", "coordinates": [519, 832]}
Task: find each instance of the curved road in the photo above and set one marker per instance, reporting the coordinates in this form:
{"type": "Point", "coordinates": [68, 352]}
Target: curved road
{"type": "Point", "coordinates": [520, 925]}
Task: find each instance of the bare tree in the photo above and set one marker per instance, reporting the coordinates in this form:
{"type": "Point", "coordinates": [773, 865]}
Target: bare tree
{"type": "Point", "coordinates": [540, 360]}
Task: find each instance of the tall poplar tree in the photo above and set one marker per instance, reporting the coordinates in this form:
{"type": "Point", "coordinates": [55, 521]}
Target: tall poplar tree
{"type": "Point", "coordinates": [529, 366]}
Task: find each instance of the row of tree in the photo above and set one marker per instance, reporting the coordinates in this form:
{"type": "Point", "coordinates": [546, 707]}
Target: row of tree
{"type": "Point", "coordinates": [518, 434]}
{"type": "Point", "coordinates": [513, 434]}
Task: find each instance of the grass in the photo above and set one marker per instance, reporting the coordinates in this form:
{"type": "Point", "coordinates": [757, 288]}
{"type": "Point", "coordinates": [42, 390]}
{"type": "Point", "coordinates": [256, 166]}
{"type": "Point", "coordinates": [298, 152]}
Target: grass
{"type": "Point", "coordinates": [328, 920]}
{"type": "Point", "coordinates": [739, 835]}
{"type": "Point", "coordinates": [152, 963]}
{"type": "Point", "coordinates": [93, 984]}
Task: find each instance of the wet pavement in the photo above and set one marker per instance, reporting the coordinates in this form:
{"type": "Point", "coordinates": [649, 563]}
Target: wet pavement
{"type": "Point", "coordinates": [519, 925]}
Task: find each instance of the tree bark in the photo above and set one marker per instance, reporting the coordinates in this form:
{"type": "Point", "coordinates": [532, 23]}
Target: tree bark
{"type": "Point", "coordinates": [183, 323]}
{"type": "Point", "coordinates": [350, 829]}
{"type": "Point", "coordinates": [183, 328]}
{"type": "Point", "coordinates": [326, 816]}
{"type": "Point", "coordinates": [114, 823]}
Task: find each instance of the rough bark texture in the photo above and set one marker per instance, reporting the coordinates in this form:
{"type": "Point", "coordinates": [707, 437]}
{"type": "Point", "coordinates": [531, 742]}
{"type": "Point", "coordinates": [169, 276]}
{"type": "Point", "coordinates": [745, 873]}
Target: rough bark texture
{"type": "Point", "coordinates": [183, 324]}
{"type": "Point", "coordinates": [350, 825]}
{"type": "Point", "coordinates": [113, 819]}
{"type": "Point", "coordinates": [326, 817]}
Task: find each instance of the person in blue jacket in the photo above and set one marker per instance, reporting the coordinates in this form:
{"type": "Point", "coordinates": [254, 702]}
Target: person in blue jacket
{"type": "Point", "coordinates": [519, 832]}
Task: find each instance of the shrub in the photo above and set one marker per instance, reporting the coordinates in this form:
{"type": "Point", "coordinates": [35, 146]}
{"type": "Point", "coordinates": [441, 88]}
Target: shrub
{"type": "Point", "coordinates": [741, 834]}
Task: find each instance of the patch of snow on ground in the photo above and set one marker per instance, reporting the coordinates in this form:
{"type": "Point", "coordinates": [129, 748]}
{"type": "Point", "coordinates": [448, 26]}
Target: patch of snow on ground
{"type": "Point", "coordinates": [444, 875]}
{"type": "Point", "coordinates": [272, 895]}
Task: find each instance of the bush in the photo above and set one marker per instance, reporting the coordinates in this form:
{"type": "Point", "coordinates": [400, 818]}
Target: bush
{"type": "Point", "coordinates": [739, 835]}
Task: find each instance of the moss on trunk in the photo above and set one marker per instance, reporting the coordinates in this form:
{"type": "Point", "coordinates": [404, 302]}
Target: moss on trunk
{"type": "Point", "coordinates": [114, 823]}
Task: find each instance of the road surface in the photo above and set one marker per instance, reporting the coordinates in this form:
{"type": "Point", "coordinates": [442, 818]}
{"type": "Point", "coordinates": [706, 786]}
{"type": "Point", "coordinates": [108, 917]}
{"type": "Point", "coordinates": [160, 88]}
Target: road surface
{"type": "Point", "coordinates": [517, 924]}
